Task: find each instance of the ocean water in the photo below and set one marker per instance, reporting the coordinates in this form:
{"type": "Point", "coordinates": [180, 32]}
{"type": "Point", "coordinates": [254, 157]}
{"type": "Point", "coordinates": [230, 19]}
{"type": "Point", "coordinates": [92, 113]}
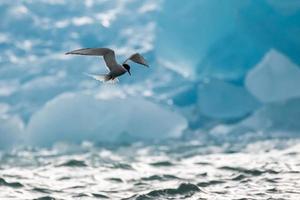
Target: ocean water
{"type": "Point", "coordinates": [268, 169]}
{"type": "Point", "coordinates": [216, 116]}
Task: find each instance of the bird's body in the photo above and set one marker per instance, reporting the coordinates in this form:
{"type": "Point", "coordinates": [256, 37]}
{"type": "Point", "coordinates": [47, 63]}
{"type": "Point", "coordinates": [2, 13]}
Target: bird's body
{"type": "Point", "coordinates": [115, 69]}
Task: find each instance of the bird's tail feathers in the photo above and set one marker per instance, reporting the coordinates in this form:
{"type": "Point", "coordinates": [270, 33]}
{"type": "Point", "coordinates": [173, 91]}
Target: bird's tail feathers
{"type": "Point", "coordinates": [105, 78]}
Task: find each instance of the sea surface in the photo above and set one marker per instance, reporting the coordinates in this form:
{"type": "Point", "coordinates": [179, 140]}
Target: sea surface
{"type": "Point", "coordinates": [268, 169]}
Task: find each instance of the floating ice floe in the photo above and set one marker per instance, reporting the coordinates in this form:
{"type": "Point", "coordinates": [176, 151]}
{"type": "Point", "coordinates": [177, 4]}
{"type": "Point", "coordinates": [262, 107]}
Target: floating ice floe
{"type": "Point", "coordinates": [274, 79]}
{"type": "Point", "coordinates": [78, 117]}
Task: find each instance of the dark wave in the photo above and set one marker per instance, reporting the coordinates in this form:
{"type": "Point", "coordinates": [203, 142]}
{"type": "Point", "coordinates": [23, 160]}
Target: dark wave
{"type": "Point", "coordinates": [3, 182]}
{"type": "Point", "coordinates": [209, 183]}
{"type": "Point", "coordinates": [73, 163]}
{"type": "Point", "coordinates": [121, 166]}
{"type": "Point", "coordinates": [100, 196]}
{"type": "Point", "coordinates": [253, 172]}
{"type": "Point", "coordinates": [159, 177]}
{"type": "Point", "coordinates": [239, 177]}
{"type": "Point", "coordinates": [45, 198]}
{"type": "Point", "coordinates": [184, 190]}
{"type": "Point", "coordinates": [42, 190]}
{"type": "Point", "coordinates": [81, 195]}
{"type": "Point", "coordinates": [117, 180]}
{"type": "Point", "coordinates": [162, 164]}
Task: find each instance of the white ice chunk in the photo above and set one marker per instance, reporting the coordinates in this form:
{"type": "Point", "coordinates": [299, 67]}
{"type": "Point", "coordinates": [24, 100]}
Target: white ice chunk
{"type": "Point", "coordinates": [274, 79]}
{"type": "Point", "coordinates": [78, 117]}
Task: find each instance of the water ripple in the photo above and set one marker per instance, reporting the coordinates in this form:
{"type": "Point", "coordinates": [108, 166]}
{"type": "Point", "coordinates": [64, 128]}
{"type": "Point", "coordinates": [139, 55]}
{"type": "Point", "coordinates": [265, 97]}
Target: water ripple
{"type": "Point", "coordinates": [156, 173]}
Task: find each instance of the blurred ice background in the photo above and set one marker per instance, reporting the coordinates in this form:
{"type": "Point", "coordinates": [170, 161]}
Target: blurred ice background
{"type": "Point", "coordinates": [222, 72]}
{"type": "Point", "coordinates": [213, 64]}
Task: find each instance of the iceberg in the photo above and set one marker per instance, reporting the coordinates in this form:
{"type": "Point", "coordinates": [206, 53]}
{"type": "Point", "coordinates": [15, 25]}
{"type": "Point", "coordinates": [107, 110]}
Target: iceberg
{"type": "Point", "coordinates": [185, 36]}
{"type": "Point", "coordinates": [75, 117]}
{"type": "Point", "coordinates": [276, 30]}
{"type": "Point", "coordinates": [276, 117]}
{"type": "Point", "coordinates": [285, 7]}
{"type": "Point", "coordinates": [231, 57]}
{"type": "Point", "coordinates": [276, 78]}
{"type": "Point", "coordinates": [221, 100]}
{"type": "Point", "coordinates": [185, 96]}
{"type": "Point", "coordinates": [224, 40]}
{"type": "Point", "coordinates": [11, 130]}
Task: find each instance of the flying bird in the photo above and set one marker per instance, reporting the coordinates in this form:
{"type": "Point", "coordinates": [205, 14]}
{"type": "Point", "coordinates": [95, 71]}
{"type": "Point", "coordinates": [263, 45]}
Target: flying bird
{"type": "Point", "coordinates": [115, 69]}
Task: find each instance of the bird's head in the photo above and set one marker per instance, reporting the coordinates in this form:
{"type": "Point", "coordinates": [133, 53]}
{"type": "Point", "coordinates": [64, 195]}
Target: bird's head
{"type": "Point", "coordinates": [127, 67]}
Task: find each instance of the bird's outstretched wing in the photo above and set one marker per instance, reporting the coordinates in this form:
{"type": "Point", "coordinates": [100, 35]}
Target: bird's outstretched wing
{"type": "Point", "coordinates": [108, 55]}
{"type": "Point", "coordinates": [137, 58]}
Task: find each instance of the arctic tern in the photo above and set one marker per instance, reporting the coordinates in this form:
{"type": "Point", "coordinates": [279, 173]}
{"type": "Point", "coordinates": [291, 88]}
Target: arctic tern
{"type": "Point", "coordinates": [114, 68]}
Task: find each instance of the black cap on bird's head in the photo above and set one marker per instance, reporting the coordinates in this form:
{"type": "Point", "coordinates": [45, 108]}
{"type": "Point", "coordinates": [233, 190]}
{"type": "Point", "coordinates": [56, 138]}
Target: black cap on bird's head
{"type": "Point", "coordinates": [127, 67]}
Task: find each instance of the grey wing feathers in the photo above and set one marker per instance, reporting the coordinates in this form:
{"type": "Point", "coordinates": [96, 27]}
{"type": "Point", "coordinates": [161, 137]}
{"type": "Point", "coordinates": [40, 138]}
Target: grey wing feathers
{"type": "Point", "coordinates": [137, 58]}
{"type": "Point", "coordinates": [108, 54]}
